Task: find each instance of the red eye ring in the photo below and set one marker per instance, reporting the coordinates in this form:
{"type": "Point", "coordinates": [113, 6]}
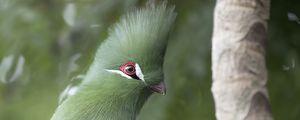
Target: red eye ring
{"type": "Point", "coordinates": [128, 68]}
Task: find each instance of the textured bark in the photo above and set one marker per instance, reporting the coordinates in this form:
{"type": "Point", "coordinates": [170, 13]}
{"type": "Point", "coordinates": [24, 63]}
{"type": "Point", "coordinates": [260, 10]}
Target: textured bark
{"type": "Point", "coordinates": [238, 58]}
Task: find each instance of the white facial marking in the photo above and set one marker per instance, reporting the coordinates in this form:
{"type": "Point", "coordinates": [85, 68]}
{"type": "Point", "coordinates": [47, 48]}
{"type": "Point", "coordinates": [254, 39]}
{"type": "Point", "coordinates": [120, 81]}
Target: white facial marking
{"type": "Point", "coordinates": [139, 72]}
{"type": "Point", "coordinates": [120, 73]}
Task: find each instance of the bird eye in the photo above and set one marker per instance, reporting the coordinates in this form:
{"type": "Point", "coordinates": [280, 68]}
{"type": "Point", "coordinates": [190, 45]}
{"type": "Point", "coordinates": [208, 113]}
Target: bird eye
{"type": "Point", "coordinates": [129, 69]}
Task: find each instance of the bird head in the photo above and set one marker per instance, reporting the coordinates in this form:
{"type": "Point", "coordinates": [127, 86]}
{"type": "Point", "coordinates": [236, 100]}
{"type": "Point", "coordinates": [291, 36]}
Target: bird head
{"type": "Point", "coordinates": [132, 56]}
{"type": "Point", "coordinates": [127, 68]}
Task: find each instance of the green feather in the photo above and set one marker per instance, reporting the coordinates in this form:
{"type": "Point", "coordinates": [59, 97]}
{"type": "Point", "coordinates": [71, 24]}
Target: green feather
{"type": "Point", "coordinates": [140, 36]}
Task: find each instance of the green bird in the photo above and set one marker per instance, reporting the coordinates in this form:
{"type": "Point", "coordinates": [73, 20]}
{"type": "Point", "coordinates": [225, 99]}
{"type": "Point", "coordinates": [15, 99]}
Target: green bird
{"type": "Point", "coordinates": [127, 68]}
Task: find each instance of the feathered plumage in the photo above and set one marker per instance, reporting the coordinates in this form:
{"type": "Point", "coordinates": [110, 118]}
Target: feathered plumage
{"type": "Point", "coordinates": [136, 44]}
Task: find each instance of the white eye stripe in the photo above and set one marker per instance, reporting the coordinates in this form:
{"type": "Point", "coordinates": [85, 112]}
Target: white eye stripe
{"type": "Point", "coordinates": [119, 72]}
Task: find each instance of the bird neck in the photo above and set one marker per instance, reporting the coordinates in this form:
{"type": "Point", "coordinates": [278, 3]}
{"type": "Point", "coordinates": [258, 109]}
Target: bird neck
{"type": "Point", "coordinates": [113, 104]}
{"type": "Point", "coordinates": [103, 96]}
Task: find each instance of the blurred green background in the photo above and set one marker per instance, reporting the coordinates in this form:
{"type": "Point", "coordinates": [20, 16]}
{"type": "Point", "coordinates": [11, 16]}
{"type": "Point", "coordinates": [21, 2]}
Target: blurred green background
{"type": "Point", "coordinates": [44, 44]}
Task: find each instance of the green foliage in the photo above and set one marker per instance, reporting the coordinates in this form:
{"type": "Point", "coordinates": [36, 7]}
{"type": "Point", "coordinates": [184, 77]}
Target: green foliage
{"type": "Point", "coordinates": [55, 52]}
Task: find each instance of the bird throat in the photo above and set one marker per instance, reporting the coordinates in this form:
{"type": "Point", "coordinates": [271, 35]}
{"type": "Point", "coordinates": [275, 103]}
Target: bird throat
{"type": "Point", "coordinates": [100, 104]}
{"type": "Point", "coordinates": [120, 106]}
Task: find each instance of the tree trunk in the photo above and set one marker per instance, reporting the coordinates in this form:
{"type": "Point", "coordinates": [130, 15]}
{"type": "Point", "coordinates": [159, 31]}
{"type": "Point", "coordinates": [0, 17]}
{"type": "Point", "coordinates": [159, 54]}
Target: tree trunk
{"type": "Point", "coordinates": [238, 58]}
